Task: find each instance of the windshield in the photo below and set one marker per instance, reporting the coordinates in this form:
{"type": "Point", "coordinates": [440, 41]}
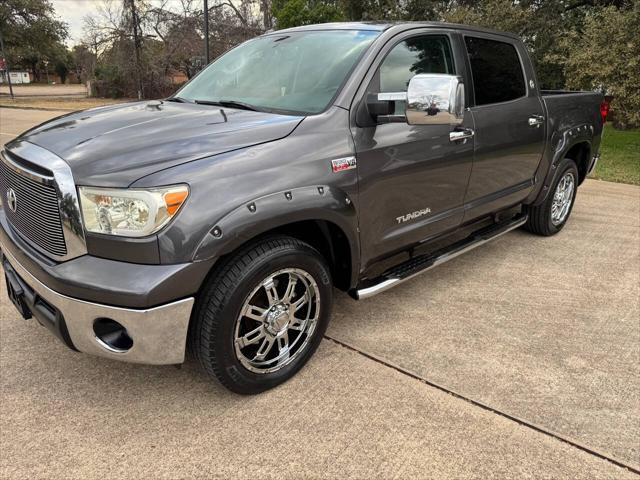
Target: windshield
{"type": "Point", "coordinates": [294, 72]}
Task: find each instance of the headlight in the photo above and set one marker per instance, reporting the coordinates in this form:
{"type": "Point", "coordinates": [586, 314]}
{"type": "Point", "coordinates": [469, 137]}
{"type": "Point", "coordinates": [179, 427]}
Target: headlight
{"type": "Point", "coordinates": [130, 213]}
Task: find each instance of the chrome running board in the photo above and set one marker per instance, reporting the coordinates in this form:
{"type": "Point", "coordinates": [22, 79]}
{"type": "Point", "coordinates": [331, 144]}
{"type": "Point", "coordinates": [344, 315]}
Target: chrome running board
{"type": "Point", "coordinates": [420, 264]}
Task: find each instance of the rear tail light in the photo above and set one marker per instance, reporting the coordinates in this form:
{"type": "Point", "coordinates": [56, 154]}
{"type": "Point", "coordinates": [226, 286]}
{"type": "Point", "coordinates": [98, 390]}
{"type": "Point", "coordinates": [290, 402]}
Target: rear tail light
{"type": "Point", "coordinates": [604, 110]}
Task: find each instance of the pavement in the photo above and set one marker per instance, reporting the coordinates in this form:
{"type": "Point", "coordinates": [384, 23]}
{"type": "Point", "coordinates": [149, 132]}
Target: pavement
{"type": "Point", "coordinates": [15, 121]}
{"type": "Point", "coordinates": [520, 359]}
{"type": "Point", "coordinates": [43, 90]}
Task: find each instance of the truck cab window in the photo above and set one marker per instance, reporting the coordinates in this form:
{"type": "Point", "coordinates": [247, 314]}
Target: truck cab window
{"type": "Point", "coordinates": [496, 70]}
{"type": "Point", "coordinates": [427, 54]}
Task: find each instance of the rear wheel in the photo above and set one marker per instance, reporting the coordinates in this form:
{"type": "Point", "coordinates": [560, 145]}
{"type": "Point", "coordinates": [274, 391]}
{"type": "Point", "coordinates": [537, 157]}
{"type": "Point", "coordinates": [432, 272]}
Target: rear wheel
{"type": "Point", "coordinates": [262, 315]}
{"type": "Point", "coordinates": [551, 216]}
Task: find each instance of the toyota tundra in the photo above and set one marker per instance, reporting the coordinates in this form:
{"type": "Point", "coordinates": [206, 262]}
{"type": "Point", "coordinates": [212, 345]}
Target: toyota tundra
{"type": "Point", "coordinates": [219, 221]}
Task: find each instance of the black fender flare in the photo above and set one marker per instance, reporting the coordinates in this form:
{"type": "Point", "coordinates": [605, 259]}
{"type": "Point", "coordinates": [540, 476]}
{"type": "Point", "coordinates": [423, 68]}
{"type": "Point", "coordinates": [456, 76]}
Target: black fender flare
{"type": "Point", "coordinates": [258, 216]}
{"type": "Point", "coordinates": [561, 144]}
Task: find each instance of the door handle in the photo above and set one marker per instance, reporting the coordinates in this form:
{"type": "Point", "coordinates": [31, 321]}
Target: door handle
{"type": "Point", "coordinates": [536, 120]}
{"type": "Point", "coordinates": [461, 134]}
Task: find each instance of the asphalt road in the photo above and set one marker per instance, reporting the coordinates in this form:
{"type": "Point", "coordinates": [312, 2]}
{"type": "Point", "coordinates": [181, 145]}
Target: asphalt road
{"type": "Point", "coordinates": [520, 359]}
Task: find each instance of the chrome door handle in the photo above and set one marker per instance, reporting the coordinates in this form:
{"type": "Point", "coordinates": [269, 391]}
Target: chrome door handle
{"type": "Point", "coordinates": [462, 134]}
{"type": "Point", "coordinates": [536, 120]}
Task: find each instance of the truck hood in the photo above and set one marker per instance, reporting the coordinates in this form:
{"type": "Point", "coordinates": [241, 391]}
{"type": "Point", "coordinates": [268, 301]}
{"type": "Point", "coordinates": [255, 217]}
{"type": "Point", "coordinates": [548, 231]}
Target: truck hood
{"type": "Point", "coordinates": [117, 145]}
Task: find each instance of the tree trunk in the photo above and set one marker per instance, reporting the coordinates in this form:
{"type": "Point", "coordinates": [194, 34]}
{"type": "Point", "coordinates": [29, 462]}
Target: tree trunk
{"type": "Point", "coordinates": [34, 71]}
{"type": "Point", "coordinates": [267, 17]}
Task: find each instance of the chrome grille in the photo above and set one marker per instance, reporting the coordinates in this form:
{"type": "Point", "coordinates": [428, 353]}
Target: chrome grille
{"type": "Point", "coordinates": [37, 214]}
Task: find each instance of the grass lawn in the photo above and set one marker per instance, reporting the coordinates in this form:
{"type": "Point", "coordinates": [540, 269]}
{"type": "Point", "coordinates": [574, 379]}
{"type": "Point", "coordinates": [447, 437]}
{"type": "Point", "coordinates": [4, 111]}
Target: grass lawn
{"type": "Point", "coordinates": [619, 156]}
{"type": "Point", "coordinates": [58, 103]}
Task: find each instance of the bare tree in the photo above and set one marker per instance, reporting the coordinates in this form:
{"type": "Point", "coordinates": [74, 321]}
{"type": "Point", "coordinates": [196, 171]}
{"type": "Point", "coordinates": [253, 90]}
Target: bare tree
{"type": "Point", "coordinates": [140, 44]}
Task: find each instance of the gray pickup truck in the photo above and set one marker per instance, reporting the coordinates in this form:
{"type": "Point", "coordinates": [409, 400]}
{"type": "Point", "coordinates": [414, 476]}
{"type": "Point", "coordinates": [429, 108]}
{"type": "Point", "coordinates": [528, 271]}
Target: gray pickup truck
{"type": "Point", "coordinates": [219, 220]}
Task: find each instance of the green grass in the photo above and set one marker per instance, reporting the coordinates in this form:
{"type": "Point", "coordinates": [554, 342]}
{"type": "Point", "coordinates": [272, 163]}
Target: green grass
{"type": "Point", "coordinates": [619, 156]}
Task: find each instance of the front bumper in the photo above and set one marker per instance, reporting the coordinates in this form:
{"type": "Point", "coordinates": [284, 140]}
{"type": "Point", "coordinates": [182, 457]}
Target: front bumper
{"type": "Point", "coordinates": [159, 334]}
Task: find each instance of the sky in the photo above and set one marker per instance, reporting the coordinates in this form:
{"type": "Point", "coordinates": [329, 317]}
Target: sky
{"type": "Point", "coordinates": [73, 11]}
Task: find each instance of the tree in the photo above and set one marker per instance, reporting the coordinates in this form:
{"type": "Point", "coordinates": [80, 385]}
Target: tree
{"type": "Point", "coordinates": [292, 13]}
{"type": "Point", "coordinates": [544, 26]}
{"type": "Point", "coordinates": [534, 22]}
{"type": "Point", "coordinates": [606, 56]}
{"type": "Point", "coordinates": [63, 64]}
{"type": "Point", "coordinates": [427, 10]}
{"type": "Point", "coordinates": [181, 39]}
{"type": "Point", "coordinates": [169, 37]}
{"type": "Point", "coordinates": [31, 33]}
{"type": "Point", "coordinates": [367, 10]}
{"type": "Point", "coordinates": [83, 62]}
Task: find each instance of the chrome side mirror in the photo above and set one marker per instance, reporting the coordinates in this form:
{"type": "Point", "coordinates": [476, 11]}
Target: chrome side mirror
{"type": "Point", "coordinates": [435, 99]}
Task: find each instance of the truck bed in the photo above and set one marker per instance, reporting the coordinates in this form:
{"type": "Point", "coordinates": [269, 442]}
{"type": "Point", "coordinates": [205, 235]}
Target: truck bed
{"type": "Point", "coordinates": [567, 110]}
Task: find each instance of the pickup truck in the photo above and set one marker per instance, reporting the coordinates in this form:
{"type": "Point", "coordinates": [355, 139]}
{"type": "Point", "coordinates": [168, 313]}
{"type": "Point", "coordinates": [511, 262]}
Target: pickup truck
{"type": "Point", "coordinates": [219, 221]}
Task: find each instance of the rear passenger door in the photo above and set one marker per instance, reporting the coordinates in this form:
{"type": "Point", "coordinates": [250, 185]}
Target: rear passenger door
{"type": "Point", "coordinates": [509, 123]}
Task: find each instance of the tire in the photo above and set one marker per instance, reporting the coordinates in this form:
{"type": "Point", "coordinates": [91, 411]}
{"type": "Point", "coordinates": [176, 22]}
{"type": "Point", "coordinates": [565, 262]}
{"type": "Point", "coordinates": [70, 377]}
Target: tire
{"type": "Point", "coordinates": [272, 276]}
{"type": "Point", "coordinates": [551, 216]}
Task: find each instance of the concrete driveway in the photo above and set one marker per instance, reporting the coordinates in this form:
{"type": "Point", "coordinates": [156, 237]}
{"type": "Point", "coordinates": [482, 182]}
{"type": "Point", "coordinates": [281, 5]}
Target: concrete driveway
{"type": "Point", "coordinates": [520, 359]}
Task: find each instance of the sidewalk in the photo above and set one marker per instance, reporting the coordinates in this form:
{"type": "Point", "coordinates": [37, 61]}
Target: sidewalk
{"type": "Point", "coordinates": [40, 90]}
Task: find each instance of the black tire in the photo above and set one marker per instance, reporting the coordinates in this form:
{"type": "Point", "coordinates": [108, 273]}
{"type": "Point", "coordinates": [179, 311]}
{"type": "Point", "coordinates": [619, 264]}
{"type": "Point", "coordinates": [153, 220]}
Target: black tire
{"type": "Point", "coordinates": [212, 335]}
{"type": "Point", "coordinates": [540, 219]}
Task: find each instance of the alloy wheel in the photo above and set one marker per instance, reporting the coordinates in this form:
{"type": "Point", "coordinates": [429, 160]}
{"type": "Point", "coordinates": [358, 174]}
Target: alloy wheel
{"type": "Point", "coordinates": [277, 320]}
{"type": "Point", "coordinates": [562, 199]}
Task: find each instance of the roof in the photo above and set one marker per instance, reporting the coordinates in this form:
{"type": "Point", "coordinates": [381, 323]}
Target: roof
{"type": "Point", "coordinates": [382, 26]}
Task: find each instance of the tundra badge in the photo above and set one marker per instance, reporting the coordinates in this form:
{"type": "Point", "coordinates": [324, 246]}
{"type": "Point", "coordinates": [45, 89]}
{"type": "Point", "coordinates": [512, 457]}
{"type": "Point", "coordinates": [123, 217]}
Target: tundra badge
{"type": "Point", "coordinates": [413, 215]}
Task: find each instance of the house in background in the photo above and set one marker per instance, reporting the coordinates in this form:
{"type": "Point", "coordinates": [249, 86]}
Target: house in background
{"type": "Point", "coordinates": [16, 77]}
{"type": "Point", "coordinates": [176, 77]}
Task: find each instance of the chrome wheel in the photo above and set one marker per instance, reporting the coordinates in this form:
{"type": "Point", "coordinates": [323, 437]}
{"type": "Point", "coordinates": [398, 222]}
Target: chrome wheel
{"type": "Point", "coordinates": [562, 199]}
{"type": "Point", "coordinates": [277, 320]}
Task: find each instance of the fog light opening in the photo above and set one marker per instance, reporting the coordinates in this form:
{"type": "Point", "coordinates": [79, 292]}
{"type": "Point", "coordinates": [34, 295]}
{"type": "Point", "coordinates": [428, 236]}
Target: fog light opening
{"type": "Point", "coordinates": [112, 336]}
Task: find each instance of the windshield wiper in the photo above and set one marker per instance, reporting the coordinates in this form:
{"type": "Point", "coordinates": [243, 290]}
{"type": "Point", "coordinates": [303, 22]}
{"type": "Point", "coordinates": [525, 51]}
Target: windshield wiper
{"type": "Point", "coordinates": [176, 99]}
{"type": "Point", "coordinates": [227, 103]}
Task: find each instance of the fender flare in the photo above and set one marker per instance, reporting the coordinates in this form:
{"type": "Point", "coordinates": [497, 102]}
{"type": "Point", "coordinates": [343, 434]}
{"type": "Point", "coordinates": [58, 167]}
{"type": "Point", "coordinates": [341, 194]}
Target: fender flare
{"type": "Point", "coordinates": [563, 142]}
{"type": "Point", "coordinates": [258, 216]}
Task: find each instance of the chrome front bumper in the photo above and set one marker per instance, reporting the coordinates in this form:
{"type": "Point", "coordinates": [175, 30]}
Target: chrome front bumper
{"type": "Point", "coordinates": [159, 334]}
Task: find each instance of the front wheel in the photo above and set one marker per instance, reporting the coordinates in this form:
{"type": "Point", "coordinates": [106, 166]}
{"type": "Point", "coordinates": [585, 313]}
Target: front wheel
{"type": "Point", "coordinates": [262, 314]}
{"type": "Point", "coordinates": [551, 216]}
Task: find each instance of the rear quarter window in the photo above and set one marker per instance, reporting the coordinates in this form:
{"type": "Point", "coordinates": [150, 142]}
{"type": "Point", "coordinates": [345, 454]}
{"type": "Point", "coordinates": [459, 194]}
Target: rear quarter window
{"type": "Point", "coordinates": [496, 71]}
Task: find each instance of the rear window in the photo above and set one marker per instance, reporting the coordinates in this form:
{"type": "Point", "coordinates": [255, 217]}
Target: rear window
{"type": "Point", "coordinates": [496, 70]}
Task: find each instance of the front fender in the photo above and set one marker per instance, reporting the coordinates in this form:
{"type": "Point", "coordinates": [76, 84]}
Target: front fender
{"type": "Point", "coordinates": [253, 218]}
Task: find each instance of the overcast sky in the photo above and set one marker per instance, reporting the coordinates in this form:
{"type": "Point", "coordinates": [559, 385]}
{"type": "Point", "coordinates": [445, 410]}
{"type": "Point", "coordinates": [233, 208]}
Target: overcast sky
{"type": "Point", "coordinates": [73, 11]}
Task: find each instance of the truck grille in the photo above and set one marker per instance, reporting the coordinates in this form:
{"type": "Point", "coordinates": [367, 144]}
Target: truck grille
{"type": "Point", "coordinates": [37, 214]}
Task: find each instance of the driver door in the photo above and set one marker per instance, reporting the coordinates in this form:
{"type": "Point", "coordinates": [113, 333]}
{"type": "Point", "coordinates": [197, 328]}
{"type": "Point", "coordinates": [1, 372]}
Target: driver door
{"type": "Point", "coordinates": [412, 178]}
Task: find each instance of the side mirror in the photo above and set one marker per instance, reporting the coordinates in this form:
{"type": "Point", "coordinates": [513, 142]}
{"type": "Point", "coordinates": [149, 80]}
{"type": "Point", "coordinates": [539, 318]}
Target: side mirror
{"type": "Point", "coordinates": [431, 99]}
{"type": "Point", "coordinates": [379, 107]}
{"type": "Point", "coordinates": [435, 99]}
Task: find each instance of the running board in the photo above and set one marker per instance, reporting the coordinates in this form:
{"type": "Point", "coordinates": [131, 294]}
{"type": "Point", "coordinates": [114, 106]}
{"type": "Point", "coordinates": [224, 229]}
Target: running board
{"type": "Point", "coordinates": [420, 264]}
